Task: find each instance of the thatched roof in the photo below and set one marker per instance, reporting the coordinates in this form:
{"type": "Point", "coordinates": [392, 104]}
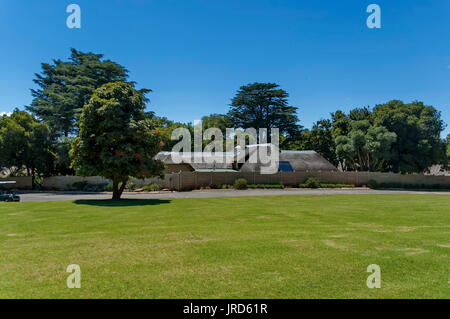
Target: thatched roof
{"type": "Point", "coordinates": [199, 161]}
{"type": "Point", "coordinates": [299, 160]}
{"type": "Point", "coordinates": [307, 161]}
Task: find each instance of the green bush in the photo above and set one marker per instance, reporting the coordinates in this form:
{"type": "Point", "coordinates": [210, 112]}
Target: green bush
{"type": "Point", "coordinates": [131, 186]}
{"type": "Point", "coordinates": [151, 188]}
{"type": "Point", "coordinates": [311, 183]}
{"type": "Point", "coordinates": [372, 184]}
{"type": "Point", "coordinates": [240, 183]}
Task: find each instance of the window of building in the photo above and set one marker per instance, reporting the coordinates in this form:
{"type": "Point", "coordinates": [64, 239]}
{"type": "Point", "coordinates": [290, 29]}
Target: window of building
{"type": "Point", "coordinates": [285, 167]}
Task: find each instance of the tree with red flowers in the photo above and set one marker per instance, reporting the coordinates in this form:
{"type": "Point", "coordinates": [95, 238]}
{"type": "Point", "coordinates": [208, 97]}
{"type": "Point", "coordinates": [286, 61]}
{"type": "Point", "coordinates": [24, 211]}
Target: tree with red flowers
{"type": "Point", "coordinates": [115, 141]}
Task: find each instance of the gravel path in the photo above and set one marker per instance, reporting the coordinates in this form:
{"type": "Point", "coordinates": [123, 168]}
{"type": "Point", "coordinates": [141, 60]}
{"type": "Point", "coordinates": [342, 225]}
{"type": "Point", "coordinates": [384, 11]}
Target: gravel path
{"type": "Point", "coordinates": [63, 196]}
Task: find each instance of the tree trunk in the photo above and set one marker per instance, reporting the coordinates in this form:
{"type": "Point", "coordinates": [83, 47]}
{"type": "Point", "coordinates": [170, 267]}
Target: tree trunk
{"type": "Point", "coordinates": [118, 190]}
{"type": "Point", "coordinates": [33, 178]}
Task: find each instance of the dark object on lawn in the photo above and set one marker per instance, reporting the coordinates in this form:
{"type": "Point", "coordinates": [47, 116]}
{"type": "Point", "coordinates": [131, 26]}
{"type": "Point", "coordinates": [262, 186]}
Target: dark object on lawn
{"type": "Point", "coordinates": [8, 196]}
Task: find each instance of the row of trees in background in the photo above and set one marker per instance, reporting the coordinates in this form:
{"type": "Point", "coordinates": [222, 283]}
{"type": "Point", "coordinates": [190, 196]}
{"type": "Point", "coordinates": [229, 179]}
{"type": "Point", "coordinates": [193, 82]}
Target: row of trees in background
{"type": "Point", "coordinates": [395, 137]}
{"type": "Point", "coordinates": [391, 137]}
{"type": "Point", "coordinates": [87, 105]}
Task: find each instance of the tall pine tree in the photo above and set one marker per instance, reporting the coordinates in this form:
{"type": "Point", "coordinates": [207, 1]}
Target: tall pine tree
{"type": "Point", "coordinates": [66, 86]}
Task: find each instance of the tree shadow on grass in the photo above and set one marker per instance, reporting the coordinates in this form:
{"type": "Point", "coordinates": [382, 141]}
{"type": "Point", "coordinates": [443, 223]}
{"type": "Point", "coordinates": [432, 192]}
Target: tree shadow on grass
{"type": "Point", "coordinates": [122, 202]}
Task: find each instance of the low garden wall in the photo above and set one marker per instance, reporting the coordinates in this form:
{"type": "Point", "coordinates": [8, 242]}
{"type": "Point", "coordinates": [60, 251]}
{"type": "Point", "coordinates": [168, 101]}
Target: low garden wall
{"type": "Point", "coordinates": [66, 183]}
{"type": "Point", "coordinates": [193, 180]}
{"type": "Point", "coordinates": [24, 182]}
{"type": "Point", "coordinates": [62, 183]}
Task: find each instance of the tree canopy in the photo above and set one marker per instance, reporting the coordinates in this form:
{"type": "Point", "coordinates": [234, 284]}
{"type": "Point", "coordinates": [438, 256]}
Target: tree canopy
{"type": "Point", "coordinates": [263, 105]}
{"type": "Point", "coordinates": [418, 128]}
{"type": "Point", "coordinates": [319, 138]}
{"type": "Point", "coordinates": [115, 141]}
{"type": "Point", "coordinates": [363, 138]}
{"type": "Point", "coordinates": [66, 86]}
{"type": "Point", "coordinates": [366, 147]}
{"type": "Point", "coordinates": [25, 143]}
{"type": "Point", "coordinates": [448, 145]}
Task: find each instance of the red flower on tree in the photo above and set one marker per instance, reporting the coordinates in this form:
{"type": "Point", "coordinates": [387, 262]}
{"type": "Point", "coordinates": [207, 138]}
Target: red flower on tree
{"type": "Point", "coordinates": [118, 153]}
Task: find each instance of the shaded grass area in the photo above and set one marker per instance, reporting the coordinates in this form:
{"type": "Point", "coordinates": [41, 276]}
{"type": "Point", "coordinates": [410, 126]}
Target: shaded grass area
{"type": "Point", "coordinates": [260, 247]}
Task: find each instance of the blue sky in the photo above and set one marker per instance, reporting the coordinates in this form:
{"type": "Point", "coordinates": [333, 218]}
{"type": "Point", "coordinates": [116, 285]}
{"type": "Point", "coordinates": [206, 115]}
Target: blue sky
{"type": "Point", "coordinates": [194, 54]}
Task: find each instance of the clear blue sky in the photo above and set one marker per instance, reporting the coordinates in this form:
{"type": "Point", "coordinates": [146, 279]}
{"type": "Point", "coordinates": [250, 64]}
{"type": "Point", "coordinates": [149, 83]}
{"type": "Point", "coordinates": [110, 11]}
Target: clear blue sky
{"type": "Point", "coordinates": [195, 54]}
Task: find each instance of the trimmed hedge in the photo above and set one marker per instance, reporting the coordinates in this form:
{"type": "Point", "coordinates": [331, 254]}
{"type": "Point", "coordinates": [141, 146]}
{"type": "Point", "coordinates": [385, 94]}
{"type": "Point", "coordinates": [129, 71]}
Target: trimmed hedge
{"type": "Point", "coordinates": [375, 185]}
{"type": "Point", "coordinates": [265, 186]}
{"type": "Point", "coordinates": [314, 183]}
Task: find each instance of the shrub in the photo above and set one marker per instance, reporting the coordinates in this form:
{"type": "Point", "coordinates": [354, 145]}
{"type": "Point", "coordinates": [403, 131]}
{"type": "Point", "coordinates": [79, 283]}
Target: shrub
{"type": "Point", "coordinates": [311, 183]}
{"type": "Point", "coordinates": [151, 188]}
{"type": "Point", "coordinates": [240, 183]}
{"type": "Point", "coordinates": [372, 184]}
{"type": "Point", "coordinates": [131, 186]}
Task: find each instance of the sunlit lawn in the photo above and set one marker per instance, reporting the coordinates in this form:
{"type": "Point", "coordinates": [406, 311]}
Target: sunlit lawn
{"type": "Point", "coordinates": [260, 247]}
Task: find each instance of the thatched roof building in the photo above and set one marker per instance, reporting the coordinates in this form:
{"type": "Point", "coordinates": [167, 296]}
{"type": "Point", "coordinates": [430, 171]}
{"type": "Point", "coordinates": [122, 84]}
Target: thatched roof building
{"type": "Point", "coordinates": [289, 161]}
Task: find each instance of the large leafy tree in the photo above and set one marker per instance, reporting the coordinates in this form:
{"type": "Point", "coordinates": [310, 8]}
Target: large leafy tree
{"type": "Point", "coordinates": [26, 144]}
{"type": "Point", "coordinates": [264, 105]}
{"type": "Point", "coordinates": [65, 86]}
{"type": "Point", "coordinates": [63, 163]}
{"type": "Point", "coordinates": [448, 145]}
{"type": "Point", "coordinates": [418, 128]}
{"type": "Point", "coordinates": [165, 127]}
{"type": "Point", "coordinates": [220, 121]}
{"type": "Point", "coordinates": [115, 141]}
{"type": "Point", "coordinates": [319, 138]}
{"type": "Point", "coordinates": [366, 147]}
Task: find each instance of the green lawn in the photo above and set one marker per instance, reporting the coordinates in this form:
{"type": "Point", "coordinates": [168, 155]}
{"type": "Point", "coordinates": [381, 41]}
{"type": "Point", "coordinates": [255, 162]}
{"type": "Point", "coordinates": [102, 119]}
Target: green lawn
{"type": "Point", "coordinates": [261, 247]}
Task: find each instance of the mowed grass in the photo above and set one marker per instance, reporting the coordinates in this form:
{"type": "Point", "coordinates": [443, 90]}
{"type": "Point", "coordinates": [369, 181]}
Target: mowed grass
{"type": "Point", "coordinates": [261, 247]}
